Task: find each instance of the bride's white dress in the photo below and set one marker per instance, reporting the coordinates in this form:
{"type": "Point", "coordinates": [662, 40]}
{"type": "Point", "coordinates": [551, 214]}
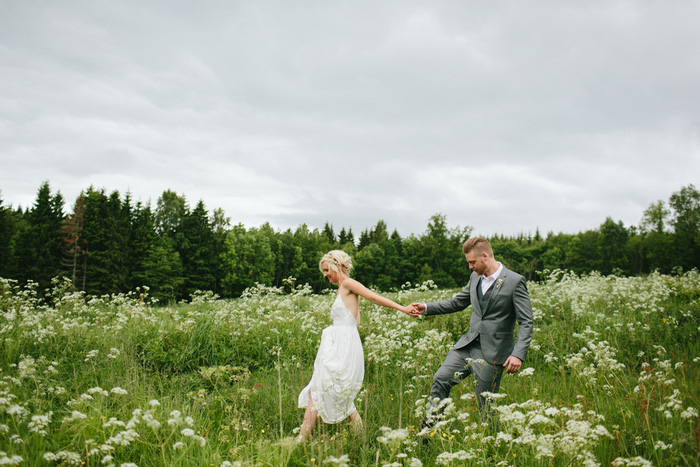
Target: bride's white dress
{"type": "Point", "coordinates": [339, 368]}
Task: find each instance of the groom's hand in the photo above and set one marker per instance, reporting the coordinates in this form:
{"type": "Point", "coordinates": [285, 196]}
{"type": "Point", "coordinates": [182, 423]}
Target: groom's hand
{"type": "Point", "coordinates": [418, 309]}
{"type": "Point", "coordinates": [512, 365]}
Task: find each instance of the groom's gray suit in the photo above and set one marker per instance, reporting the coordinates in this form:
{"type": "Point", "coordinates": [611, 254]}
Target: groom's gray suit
{"type": "Point", "coordinates": [491, 333]}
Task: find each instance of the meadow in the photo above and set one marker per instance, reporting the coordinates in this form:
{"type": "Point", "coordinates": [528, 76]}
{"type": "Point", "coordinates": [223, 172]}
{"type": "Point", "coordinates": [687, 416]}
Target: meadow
{"type": "Point", "coordinates": [611, 379]}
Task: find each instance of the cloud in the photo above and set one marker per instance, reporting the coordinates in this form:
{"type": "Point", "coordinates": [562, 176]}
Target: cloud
{"type": "Point", "coordinates": [508, 117]}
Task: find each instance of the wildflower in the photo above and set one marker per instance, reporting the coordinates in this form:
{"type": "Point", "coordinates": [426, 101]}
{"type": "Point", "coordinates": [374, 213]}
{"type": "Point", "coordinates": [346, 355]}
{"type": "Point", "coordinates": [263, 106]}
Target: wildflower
{"type": "Point", "coordinates": [690, 412]}
{"type": "Point", "coordinates": [151, 422]}
{"type": "Point", "coordinates": [75, 415]}
{"type": "Point", "coordinates": [447, 457]}
{"type": "Point", "coordinates": [128, 464]}
{"type": "Point", "coordinates": [72, 458]}
{"type": "Point", "coordinates": [4, 460]}
{"type": "Point", "coordinates": [538, 418]}
{"type": "Point", "coordinates": [119, 390]}
{"type": "Point", "coordinates": [154, 403]}
{"type": "Point", "coordinates": [392, 437]}
{"type": "Point", "coordinates": [39, 422]}
{"type": "Point", "coordinates": [633, 462]}
{"type": "Point", "coordinates": [493, 395]}
{"type": "Point", "coordinates": [98, 390]}
{"type": "Point", "coordinates": [189, 432]}
{"type": "Point", "coordinates": [91, 354]}
{"type": "Point", "coordinates": [113, 353]}
{"type": "Point", "coordinates": [124, 438]}
{"type": "Point", "coordinates": [342, 461]}
{"type": "Point", "coordinates": [113, 422]}
{"type": "Point", "coordinates": [200, 440]}
{"type": "Point", "coordinates": [175, 418]}
{"type": "Point", "coordinates": [17, 410]}
{"type": "Point", "coordinates": [178, 445]}
{"type": "Point", "coordinates": [663, 446]}
{"type": "Point", "coordinates": [26, 367]}
{"type": "Point", "coordinates": [527, 372]}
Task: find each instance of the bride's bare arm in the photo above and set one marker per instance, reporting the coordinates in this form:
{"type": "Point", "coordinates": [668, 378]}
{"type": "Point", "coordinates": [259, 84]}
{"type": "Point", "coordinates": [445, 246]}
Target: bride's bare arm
{"type": "Point", "coordinates": [357, 288]}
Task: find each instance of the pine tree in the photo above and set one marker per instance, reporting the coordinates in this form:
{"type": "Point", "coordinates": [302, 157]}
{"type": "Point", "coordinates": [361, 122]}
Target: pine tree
{"type": "Point", "coordinates": [40, 247]}
{"type": "Point", "coordinates": [197, 250]}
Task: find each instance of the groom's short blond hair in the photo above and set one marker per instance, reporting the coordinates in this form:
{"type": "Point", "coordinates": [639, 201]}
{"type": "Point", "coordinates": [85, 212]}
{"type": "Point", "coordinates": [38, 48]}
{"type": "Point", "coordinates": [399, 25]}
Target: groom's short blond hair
{"type": "Point", "coordinates": [478, 245]}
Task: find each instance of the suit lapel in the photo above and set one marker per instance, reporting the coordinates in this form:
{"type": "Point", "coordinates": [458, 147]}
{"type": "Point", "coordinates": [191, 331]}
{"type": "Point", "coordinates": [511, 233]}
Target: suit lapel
{"type": "Point", "coordinates": [475, 283]}
{"type": "Point", "coordinates": [496, 288]}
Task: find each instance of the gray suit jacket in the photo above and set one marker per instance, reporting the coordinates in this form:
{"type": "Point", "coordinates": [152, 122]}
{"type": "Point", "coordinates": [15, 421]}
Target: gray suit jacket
{"type": "Point", "coordinates": [495, 324]}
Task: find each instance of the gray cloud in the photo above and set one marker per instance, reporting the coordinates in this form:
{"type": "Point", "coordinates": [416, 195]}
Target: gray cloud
{"type": "Point", "coordinates": [507, 117]}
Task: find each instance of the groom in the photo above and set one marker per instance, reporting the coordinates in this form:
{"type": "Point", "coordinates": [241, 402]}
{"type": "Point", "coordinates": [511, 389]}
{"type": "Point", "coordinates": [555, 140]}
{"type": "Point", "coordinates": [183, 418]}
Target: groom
{"type": "Point", "coordinates": [498, 298]}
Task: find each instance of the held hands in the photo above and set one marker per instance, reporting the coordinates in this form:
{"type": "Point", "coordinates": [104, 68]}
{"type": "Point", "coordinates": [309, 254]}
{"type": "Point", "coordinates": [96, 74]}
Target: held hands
{"type": "Point", "coordinates": [512, 365]}
{"type": "Point", "coordinates": [414, 309]}
{"type": "Point", "coordinates": [417, 309]}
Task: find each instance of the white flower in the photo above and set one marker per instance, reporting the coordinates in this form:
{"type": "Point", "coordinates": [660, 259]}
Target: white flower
{"type": "Point", "coordinates": [342, 461]}
{"type": "Point", "coordinates": [393, 436]}
{"type": "Point", "coordinates": [632, 462]}
{"type": "Point", "coordinates": [527, 372]}
{"type": "Point", "coordinates": [154, 403]}
{"type": "Point", "coordinates": [39, 422]}
{"type": "Point", "coordinates": [75, 415]}
{"type": "Point", "coordinates": [119, 390]}
{"type": "Point", "coordinates": [187, 432]}
{"type": "Point", "coordinates": [663, 446]}
{"type": "Point", "coordinates": [98, 390]}
{"type": "Point", "coordinates": [202, 442]}
{"type": "Point", "coordinates": [175, 418]}
{"type": "Point", "coordinates": [178, 445]}
{"type": "Point", "coordinates": [690, 412]}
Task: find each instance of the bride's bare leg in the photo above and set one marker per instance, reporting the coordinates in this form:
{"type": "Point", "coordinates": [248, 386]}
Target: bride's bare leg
{"type": "Point", "coordinates": [356, 423]}
{"type": "Point", "coordinates": [310, 417]}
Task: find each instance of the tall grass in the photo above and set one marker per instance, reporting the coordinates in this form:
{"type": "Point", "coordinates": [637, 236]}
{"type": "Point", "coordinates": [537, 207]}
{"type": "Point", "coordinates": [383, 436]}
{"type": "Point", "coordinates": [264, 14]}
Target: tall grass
{"type": "Point", "coordinates": [611, 379]}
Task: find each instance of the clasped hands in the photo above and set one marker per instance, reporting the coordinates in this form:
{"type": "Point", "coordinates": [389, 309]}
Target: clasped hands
{"type": "Point", "coordinates": [414, 309]}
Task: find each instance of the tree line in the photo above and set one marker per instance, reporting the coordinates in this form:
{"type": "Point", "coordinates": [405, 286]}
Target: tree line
{"type": "Point", "coordinates": [110, 244]}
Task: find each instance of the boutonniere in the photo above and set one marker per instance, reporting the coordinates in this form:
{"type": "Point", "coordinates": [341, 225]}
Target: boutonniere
{"type": "Point", "coordinates": [499, 282]}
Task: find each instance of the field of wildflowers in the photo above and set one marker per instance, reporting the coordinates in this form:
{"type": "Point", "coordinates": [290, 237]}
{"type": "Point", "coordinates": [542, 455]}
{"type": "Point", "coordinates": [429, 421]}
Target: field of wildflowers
{"type": "Point", "coordinates": [612, 379]}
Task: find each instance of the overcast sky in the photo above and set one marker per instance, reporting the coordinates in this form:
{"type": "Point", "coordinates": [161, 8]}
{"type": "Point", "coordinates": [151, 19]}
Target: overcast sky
{"type": "Point", "coordinates": [505, 116]}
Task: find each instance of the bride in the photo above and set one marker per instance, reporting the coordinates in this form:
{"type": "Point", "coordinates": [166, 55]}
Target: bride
{"type": "Point", "coordinates": [339, 367]}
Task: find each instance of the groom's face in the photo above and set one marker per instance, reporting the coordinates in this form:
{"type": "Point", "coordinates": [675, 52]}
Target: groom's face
{"type": "Point", "coordinates": [476, 261]}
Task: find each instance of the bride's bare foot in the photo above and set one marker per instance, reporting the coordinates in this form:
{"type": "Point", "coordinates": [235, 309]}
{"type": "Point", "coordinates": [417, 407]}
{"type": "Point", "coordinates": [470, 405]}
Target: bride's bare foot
{"type": "Point", "coordinates": [358, 427]}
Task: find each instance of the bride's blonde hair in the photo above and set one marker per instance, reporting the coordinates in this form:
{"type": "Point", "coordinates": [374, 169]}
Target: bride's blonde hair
{"type": "Point", "coordinates": [338, 261]}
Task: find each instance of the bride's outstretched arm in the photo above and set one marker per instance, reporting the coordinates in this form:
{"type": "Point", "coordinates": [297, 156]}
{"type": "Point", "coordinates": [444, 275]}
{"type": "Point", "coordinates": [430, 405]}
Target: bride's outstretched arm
{"type": "Point", "coordinates": [357, 288]}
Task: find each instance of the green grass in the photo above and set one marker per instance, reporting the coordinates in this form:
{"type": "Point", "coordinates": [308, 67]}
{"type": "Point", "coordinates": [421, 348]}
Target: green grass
{"type": "Point", "coordinates": [615, 366]}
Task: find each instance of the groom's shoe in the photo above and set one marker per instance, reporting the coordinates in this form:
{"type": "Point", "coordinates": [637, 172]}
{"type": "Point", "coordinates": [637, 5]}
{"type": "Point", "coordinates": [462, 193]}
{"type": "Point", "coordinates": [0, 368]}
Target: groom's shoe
{"type": "Point", "coordinates": [425, 437]}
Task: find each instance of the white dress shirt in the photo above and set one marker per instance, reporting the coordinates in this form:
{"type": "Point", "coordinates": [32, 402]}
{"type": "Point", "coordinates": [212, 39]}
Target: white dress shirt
{"type": "Point", "coordinates": [487, 281]}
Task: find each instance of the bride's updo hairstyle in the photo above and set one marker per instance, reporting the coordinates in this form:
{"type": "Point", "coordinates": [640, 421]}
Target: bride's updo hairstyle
{"type": "Point", "coordinates": [338, 261]}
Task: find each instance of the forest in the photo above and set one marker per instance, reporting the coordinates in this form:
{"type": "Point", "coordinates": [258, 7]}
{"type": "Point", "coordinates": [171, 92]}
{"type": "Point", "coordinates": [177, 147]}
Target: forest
{"type": "Point", "coordinates": [110, 244]}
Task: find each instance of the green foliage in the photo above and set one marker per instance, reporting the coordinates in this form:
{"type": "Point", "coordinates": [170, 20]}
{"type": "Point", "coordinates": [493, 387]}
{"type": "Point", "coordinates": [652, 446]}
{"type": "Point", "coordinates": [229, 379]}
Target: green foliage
{"type": "Point", "coordinates": [610, 379]}
{"type": "Point", "coordinates": [108, 245]}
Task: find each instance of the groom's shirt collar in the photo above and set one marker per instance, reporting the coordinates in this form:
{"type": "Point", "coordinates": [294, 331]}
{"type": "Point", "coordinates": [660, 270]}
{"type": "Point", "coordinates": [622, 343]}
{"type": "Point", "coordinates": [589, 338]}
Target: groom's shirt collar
{"type": "Point", "coordinates": [487, 281]}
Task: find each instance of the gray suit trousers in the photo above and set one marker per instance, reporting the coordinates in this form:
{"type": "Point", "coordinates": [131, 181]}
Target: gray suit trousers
{"type": "Point", "coordinates": [460, 363]}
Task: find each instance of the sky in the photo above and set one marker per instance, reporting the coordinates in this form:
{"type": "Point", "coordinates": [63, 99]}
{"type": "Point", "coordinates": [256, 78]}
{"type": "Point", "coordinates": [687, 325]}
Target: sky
{"type": "Point", "coordinates": [505, 116]}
